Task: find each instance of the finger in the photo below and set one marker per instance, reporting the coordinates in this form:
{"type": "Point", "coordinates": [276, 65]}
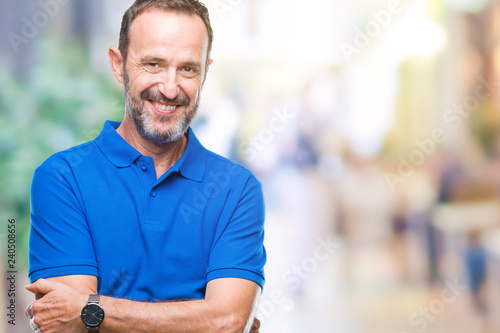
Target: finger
{"type": "Point", "coordinates": [34, 326]}
{"type": "Point", "coordinates": [254, 330]}
{"type": "Point", "coordinates": [255, 326]}
{"type": "Point", "coordinates": [256, 323]}
{"type": "Point", "coordinates": [37, 296]}
{"type": "Point", "coordinates": [41, 286]}
{"type": "Point", "coordinates": [34, 287]}
{"type": "Point", "coordinates": [29, 311]}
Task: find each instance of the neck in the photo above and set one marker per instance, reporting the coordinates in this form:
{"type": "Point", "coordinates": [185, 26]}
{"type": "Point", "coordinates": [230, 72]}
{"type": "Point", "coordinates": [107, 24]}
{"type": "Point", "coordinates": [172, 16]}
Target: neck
{"type": "Point", "coordinates": [164, 156]}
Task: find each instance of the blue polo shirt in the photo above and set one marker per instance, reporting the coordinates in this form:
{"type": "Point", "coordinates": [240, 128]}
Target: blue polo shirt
{"type": "Point", "coordinates": [99, 209]}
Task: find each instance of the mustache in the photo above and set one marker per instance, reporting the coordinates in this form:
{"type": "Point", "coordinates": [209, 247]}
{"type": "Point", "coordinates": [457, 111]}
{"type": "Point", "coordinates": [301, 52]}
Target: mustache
{"type": "Point", "coordinates": [158, 96]}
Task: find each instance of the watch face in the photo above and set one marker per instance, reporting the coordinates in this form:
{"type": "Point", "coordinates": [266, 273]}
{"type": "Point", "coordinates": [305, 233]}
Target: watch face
{"type": "Point", "coordinates": [92, 315]}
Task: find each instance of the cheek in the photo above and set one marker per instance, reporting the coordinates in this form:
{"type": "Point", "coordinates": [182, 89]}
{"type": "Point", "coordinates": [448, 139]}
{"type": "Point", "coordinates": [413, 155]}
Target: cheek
{"type": "Point", "coordinates": [197, 95]}
{"type": "Point", "coordinates": [192, 89]}
{"type": "Point", "coordinates": [142, 83]}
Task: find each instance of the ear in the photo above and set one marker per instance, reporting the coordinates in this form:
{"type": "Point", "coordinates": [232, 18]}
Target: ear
{"type": "Point", "coordinates": [116, 61]}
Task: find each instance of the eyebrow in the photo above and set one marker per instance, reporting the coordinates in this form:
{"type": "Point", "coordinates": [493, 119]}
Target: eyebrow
{"type": "Point", "coordinates": [163, 60]}
{"type": "Point", "coordinates": [152, 59]}
{"type": "Point", "coordinates": [192, 64]}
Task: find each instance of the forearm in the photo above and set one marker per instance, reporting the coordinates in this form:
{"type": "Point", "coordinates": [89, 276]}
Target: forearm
{"type": "Point", "coordinates": [186, 316]}
{"type": "Point", "coordinates": [229, 306]}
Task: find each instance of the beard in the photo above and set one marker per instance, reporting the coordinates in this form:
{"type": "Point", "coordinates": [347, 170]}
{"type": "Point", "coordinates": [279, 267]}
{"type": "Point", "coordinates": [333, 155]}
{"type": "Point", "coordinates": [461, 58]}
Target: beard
{"type": "Point", "coordinates": [149, 125]}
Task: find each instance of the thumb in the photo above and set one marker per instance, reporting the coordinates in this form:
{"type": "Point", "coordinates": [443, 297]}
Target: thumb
{"type": "Point", "coordinates": [41, 286]}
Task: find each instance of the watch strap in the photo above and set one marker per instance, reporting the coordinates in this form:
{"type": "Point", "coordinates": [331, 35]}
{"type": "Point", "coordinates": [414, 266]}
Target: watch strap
{"type": "Point", "coordinates": [94, 299]}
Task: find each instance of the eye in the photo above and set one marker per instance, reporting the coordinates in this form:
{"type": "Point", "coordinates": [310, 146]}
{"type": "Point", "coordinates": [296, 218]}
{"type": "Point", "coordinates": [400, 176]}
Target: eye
{"type": "Point", "coordinates": [153, 67]}
{"type": "Point", "coordinates": [189, 71]}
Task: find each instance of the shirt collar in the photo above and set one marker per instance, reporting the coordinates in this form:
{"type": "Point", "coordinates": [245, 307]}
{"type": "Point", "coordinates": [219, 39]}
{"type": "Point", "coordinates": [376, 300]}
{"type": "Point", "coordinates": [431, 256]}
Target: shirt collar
{"type": "Point", "coordinates": [191, 165]}
{"type": "Point", "coordinates": [114, 147]}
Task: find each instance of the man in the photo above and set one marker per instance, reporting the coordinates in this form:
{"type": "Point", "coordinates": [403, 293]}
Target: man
{"type": "Point", "coordinates": [142, 229]}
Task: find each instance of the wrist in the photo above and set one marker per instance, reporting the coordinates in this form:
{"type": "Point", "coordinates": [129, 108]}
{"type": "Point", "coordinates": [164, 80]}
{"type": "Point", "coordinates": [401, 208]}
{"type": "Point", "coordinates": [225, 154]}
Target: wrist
{"type": "Point", "coordinates": [92, 313]}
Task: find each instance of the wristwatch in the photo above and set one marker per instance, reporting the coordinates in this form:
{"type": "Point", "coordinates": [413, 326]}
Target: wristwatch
{"type": "Point", "coordinates": [93, 313]}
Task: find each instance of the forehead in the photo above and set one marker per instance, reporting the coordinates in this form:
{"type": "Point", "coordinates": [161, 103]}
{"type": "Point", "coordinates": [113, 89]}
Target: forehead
{"type": "Point", "coordinates": [165, 31]}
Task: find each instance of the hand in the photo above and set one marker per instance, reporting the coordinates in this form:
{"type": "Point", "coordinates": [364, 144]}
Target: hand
{"type": "Point", "coordinates": [58, 310]}
{"type": "Point", "coordinates": [255, 326]}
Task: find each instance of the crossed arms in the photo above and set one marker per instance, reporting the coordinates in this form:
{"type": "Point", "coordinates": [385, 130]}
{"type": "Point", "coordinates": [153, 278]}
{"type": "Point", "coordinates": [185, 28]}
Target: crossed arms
{"type": "Point", "coordinates": [63, 233]}
{"type": "Point", "coordinates": [229, 306]}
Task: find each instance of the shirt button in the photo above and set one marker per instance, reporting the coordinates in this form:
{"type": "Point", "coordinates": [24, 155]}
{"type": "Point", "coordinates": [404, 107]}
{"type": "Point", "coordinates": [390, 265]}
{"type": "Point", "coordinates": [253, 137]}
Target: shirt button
{"type": "Point", "coordinates": [144, 167]}
{"type": "Point", "coordinates": [153, 194]}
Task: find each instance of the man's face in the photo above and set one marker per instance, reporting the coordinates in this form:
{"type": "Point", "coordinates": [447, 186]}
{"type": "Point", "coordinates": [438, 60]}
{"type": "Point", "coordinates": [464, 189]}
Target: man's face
{"type": "Point", "coordinates": [164, 73]}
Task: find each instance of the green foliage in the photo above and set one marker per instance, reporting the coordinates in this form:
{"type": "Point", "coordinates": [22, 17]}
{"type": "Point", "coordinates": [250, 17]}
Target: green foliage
{"type": "Point", "coordinates": [63, 102]}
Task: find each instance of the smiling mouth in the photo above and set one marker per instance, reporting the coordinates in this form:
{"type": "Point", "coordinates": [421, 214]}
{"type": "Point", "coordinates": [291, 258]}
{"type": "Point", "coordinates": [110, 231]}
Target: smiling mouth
{"type": "Point", "coordinates": [164, 108]}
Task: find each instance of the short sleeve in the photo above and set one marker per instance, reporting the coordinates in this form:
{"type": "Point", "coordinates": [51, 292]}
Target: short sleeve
{"type": "Point", "coordinates": [239, 251]}
{"type": "Point", "coordinates": [60, 242]}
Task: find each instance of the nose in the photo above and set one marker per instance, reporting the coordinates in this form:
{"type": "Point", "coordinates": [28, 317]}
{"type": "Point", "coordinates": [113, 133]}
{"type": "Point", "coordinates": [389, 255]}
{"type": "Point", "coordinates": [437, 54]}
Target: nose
{"type": "Point", "coordinates": [169, 85]}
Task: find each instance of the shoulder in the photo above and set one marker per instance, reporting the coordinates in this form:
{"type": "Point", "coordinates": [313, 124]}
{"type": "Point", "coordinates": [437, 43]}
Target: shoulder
{"type": "Point", "coordinates": [61, 163]}
{"type": "Point", "coordinates": [219, 165]}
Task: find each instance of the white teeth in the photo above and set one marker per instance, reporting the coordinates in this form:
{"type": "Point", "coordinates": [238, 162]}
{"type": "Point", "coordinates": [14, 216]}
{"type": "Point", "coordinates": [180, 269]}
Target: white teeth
{"type": "Point", "coordinates": [165, 107]}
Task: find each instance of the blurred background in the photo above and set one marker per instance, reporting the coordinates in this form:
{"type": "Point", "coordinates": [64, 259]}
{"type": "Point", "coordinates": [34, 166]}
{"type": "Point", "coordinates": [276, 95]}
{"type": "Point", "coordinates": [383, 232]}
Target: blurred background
{"type": "Point", "coordinates": [372, 125]}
